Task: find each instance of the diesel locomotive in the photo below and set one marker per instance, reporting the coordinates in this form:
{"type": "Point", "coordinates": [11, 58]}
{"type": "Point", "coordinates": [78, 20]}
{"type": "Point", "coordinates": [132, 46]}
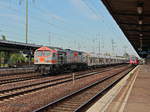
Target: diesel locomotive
{"type": "Point", "coordinates": [49, 59]}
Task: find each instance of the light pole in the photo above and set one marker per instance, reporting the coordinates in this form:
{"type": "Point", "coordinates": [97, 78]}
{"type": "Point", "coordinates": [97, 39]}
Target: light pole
{"type": "Point", "coordinates": [113, 46]}
{"type": "Point", "coordinates": [49, 38]}
{"type": "Point", "coordinates": [26, 21]}
{"type": "Point", "coordinates": [0, 32]}
{"type": "Point", "coordinates": [99, 44]}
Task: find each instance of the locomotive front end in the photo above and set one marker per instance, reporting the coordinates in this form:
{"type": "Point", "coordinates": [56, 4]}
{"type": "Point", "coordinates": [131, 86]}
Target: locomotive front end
{"type": "Point", "coordinates": [44, 59]}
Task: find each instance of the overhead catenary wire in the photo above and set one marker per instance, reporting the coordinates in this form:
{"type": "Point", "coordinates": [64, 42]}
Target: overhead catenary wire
{"type": "Point", "coordinates": [103, 21]}
{"type": "Point", "coordinates": [51, 24]}
{"type": "Point", "coordinates": [15, 10]}
{"type": "Point", "coordinates": [69, 30]}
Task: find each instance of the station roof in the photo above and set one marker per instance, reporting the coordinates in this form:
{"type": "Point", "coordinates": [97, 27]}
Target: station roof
{"type": "Point", "coordinates": [133, 17]}
{"type": "Point", "coordinates": [13, 46]}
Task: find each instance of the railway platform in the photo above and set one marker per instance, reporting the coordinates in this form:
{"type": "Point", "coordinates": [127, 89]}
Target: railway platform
{"type": "Point", "coordinates": [132, 94]}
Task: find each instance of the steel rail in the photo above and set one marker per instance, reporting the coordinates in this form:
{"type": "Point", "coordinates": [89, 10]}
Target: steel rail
{"type": "Point", "coordinates": [101, 93]}
{"type": "Point", "coordinates": [6, 81]}
{"type": "Point", "coordinates": [11, 71]}
{"type": "Point", "coordinates": [44, 86]}
{"type": "Point", "coordinates": [46, 107]}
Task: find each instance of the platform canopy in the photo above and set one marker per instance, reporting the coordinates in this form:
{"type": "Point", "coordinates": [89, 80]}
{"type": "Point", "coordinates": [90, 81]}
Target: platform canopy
{"type": "Point", "coordinates": [133, 17]}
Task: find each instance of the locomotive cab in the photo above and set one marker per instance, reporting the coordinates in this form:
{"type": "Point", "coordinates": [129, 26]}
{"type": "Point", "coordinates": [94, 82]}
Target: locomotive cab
{"type": "Point", "coordinates": [45, 55]}
{"type": "Point", "coordinates": [134, 60]}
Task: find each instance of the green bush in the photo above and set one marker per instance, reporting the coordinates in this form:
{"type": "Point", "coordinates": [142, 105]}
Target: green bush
{"type": "Point", "coordinates": [17, 58]}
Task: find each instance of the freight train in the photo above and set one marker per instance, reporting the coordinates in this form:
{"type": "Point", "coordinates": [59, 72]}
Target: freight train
{"type": "Point", "coordinates": [49, 59]}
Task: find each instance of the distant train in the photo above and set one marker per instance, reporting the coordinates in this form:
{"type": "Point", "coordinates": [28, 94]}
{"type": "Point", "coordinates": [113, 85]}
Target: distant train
{"type": "Point", "coordinates": [134, 60]}
{"type": "Point", "coordinates": [49, 59]}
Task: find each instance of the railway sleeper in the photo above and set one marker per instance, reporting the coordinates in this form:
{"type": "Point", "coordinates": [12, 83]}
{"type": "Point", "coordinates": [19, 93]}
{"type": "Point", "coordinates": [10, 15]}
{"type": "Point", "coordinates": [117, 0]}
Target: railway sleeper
{"type": "Point", "coordinates": [82, 98]}
{"type": "Point", "coordinates": [75, 99]}
{"type": "Point", "coordinates": [71, 104]}
{"type": "Point", "coordinates": [57, 111]}
{"type": "Point", "coordinates": [60, 109]}
{"type": "Point", "coordinates": [90, 93]}
{"type": "Point", "coordinates": [67, 106]}
{"type": "Point", "coordinates": [85, 98]}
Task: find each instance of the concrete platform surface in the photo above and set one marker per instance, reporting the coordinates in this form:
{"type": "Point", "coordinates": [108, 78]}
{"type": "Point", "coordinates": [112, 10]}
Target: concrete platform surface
{"type": "Point", "coordinates": [135, 95]}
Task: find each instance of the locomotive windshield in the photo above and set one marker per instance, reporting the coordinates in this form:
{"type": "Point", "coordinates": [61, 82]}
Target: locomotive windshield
{"type": "Point", "coordinates": [46, 53]}
{"type": "Point", "coordinates": [39, 53]}
{"type": "Point", "coordinates": [42, 53]}
{"type": "Point", "coordinates": [133, 58]}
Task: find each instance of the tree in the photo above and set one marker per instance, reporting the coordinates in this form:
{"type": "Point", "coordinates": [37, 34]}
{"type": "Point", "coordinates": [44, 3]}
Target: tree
{"type": "Point", "coordinates": [2, 55]}
{"type": "Point", "coordinates": [16, 58]}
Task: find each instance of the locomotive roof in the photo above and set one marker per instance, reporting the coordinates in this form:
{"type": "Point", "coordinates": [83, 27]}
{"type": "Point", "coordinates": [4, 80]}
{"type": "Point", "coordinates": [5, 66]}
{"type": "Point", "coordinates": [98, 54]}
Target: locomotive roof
{"type": "Point", "coordinates": [46, 49]}
{"type": "Point", "coordinates": [55, 49]}
{"type": "Point", "coordinates": [74, 50]}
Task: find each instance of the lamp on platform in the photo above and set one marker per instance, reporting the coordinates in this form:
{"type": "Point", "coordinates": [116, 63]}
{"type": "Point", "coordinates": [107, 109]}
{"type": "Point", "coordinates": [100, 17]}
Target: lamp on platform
{"type": "Point", "coordinates": [140, 7]}
{"type": "Point", "coordinates": [141, 34]}
{"type": "Point", "coordinates": [140, 22]}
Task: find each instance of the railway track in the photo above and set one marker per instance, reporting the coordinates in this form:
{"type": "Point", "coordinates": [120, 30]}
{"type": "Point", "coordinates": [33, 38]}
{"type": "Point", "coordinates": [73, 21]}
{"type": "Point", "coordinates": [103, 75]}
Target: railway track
{"type": "Point", "coordinates": [10, 93]}
{"type": "Point", "coordinates": [79, 100]}
{"type": "Point", "coordinates": [12, 80]}
{"type": "Point", "coordinates": [36, 76]}
{"type": "Point", "coordinates": [16, 71]}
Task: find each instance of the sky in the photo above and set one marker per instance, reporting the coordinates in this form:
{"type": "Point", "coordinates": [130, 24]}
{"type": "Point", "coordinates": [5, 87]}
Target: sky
{"type": "Point", "coordinates": [84, 25]}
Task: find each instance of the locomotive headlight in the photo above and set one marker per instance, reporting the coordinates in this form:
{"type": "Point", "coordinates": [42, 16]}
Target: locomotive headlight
{"type": "Point", "coordinates": [36, 60]}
